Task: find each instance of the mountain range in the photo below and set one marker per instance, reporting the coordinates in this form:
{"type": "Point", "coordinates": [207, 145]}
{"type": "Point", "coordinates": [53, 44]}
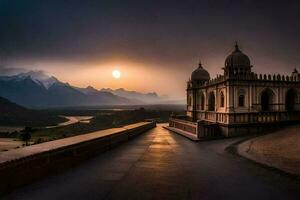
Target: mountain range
{"type": "Point", "coordinates": [36, 89]}
{"type": "Point", "coordinates": [12, 114]}
{"type": "Point", "coordinates": [149, 98]}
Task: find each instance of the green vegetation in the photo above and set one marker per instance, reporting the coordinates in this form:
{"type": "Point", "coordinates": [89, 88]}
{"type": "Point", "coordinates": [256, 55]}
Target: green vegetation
{"type": "Point", "coordinates": [26, 135]}
{"type": "Point", "coordinates": [102, 120]}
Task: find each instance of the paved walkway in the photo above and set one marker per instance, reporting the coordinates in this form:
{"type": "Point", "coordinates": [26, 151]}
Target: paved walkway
{"type": "Point", "coordinates": [162, 165]}
{"type": "Point", "coordinates": [280, 149]}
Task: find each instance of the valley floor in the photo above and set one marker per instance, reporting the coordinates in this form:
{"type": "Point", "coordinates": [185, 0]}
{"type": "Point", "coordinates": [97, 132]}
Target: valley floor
{"type": "Point", "coordinates": [73, 120]}
{"type": "Point", "coordinates": [10, 129]}
{"type": "Point", "coordinates": [9, 143]}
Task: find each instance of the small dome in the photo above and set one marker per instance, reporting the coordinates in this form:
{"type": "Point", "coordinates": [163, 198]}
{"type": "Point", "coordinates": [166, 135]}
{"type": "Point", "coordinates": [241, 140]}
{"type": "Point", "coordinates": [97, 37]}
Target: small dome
{"type": "Point", "coordinates": [200, 74]}
{"type": "Point", "coordinates": [237, 59]}
{"type": "Point", "coordinates": [295, 71]}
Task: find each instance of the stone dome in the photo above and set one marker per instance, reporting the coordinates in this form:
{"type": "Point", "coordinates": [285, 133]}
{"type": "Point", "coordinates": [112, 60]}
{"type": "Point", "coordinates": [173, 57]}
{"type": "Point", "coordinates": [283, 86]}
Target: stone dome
{"type": "Point", "coordinates": [237, 59]}
{"type": "Point", "coordinates": [200, 74]}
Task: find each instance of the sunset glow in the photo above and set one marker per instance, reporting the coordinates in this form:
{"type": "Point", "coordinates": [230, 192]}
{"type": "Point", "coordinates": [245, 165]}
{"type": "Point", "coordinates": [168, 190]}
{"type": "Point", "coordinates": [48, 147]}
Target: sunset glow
{"type": "Point", "coordinates": [152, 55]}
{"type": "Point", "coordinates": [116, 74]}
{"type": "Point", "coordinates": [136, 86]}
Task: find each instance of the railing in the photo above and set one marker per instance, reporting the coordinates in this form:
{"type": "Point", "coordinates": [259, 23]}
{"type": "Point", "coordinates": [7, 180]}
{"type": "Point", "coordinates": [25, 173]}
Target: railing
{"type": "Point", "coordinates": [208, 125]}
{"type": "Point", "coordinates": [209, 116]}
{"type": "Point", "coordinates": [265, 117]}
{"type": "Point", "coordinates": [251, 117]}
{"type": "Point", "coordinates": [200, 128]}
{"type": "Point", "coordinates": [184, 125]}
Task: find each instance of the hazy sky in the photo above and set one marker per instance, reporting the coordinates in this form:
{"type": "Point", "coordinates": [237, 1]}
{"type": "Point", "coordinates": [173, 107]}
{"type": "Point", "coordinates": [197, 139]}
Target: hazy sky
{"type": "Point", "coordinates": [155, 44]}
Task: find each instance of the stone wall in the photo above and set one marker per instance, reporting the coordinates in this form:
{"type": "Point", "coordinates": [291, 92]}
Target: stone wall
{"type": "Point", "coordinates": [184, 125]}
{"type": "Point", "coordinates": [22, 166]}
{"type": "Point", "coordinates": [200, 129]}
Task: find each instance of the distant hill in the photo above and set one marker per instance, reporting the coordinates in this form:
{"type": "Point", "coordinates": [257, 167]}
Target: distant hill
{"type": "Point", "coordinates": [148, 98]}
{"type": "Point", "coordinates": [12, 114]}
{"type": "Point", "coordinates": [174, 102]}
{"type": "Point", "coordinates": [107, 96]}
{"type": "Point", "coordinates": [35, 89]}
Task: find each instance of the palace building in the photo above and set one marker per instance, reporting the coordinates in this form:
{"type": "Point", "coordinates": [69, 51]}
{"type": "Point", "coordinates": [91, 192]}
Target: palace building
{"type": "Point", "coordinates": [237, 102]}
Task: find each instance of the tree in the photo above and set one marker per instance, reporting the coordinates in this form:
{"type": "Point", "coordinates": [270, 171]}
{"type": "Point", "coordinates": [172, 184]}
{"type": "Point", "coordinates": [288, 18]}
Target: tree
{"type": "Point", "coordinates": [26, 135]}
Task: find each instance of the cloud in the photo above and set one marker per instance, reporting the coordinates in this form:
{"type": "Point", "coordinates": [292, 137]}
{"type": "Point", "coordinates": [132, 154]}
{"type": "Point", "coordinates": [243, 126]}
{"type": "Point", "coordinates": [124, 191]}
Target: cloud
{"type": "Point", "coordinates": [9, 71]}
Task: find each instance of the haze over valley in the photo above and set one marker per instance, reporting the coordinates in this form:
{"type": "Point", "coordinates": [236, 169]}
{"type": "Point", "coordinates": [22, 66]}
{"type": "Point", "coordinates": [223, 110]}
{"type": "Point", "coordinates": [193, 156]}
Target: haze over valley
{"type": "Point", "coordinates": [36, 89]}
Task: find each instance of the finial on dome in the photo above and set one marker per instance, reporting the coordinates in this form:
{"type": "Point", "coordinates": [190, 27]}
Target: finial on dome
{"type": "Point", "coordinates": [200, 64]}
{"type": "Point", "coordinates": [200, 74]}
{"type": "Point", "coordinates": [295, 70]}
{"type": "Point", "coordinates": [236, 46]}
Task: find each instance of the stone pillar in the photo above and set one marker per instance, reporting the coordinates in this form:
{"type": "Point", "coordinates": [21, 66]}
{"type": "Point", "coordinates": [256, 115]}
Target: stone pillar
{"type": "Point", "coordinates": [231, 98]}
{"type": "Point", "coordinates": [250, 98]}
{"type": "Point", "coordinates": [200, 129]}
{"type": "Point", "coordinates": [194, 105]}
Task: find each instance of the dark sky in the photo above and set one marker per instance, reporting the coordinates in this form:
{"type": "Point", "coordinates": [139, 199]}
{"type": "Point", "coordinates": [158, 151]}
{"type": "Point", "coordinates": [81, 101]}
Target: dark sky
{"type": "Point", "coordinates": [164, 35]}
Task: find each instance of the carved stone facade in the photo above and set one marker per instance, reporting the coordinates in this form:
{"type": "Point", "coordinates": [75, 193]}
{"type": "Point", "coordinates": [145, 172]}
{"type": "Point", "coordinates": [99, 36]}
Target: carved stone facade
{"type": "Point", "coordinates": [240, 101]}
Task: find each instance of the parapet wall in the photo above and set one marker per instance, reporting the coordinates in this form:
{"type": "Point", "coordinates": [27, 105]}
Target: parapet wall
{"type": "Point", "coordinates": [252, 77]}
{"type": "Point", "coordinates": [25, 165]}
{"type": "Point", "coordinates": [200, 130]}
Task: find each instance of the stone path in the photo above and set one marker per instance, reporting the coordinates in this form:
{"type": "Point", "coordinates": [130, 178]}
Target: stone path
{"type": "Point", "coordinates": [162, 165]}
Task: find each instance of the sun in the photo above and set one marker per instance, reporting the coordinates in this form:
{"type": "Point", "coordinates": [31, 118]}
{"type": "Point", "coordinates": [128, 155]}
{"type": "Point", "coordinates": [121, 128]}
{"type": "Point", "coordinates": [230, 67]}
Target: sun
{"type": "Point", "coordinates": [116, 74]}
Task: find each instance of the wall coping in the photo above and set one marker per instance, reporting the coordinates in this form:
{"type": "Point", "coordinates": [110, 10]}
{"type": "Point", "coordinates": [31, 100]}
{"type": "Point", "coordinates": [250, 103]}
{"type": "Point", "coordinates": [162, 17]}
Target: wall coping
{"type": "Point", "coordinates": [28, 151]}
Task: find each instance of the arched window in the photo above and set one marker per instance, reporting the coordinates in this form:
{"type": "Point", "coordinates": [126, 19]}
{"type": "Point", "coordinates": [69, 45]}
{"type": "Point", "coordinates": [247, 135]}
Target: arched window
{"type": "Point", "coordinates": [266, 100]}
{"type": "Point", "coordinates": [290, 100]}
{"type": "Point", "coordinates": [241, 100]}
{"type": "Point", "coordinates": [222, 100]}
{"type": "Point", "coordinates": [211, 101]}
